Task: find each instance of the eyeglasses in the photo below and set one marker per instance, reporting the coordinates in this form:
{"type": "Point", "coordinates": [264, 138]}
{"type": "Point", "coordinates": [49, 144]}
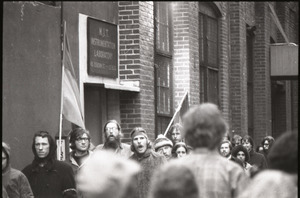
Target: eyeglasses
{"type": "Point", "coordinates": [82, 139]}
{"type": "Point", "coordinates": [111, 128]}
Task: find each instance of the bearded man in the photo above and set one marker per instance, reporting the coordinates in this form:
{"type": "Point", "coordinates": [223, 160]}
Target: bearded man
{"type": "Point", "coordinates": [113, 135]}
{"type": "Point", "coordinates": [225, 150]}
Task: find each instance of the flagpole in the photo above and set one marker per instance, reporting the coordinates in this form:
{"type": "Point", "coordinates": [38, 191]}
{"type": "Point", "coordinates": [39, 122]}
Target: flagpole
{"type": "Point", "coordinates": [177, 110]}
{"type": "Point", "coordinates": [61, 98]}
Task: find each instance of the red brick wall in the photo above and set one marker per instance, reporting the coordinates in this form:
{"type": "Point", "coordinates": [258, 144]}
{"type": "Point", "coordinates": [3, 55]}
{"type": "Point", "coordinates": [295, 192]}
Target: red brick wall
{"type": "Point", "coordinates": [136, 63]}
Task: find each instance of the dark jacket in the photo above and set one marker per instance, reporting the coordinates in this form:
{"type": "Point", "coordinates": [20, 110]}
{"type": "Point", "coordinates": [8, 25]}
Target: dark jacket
{"type": "Point", "coordinates": [18, 185]}
{"type": "Point", "coordinates": [52, 180]}
{"type": "Point", "coordinates": [149, 162]}
{"type": "Point", "coordinates": [257, 159]}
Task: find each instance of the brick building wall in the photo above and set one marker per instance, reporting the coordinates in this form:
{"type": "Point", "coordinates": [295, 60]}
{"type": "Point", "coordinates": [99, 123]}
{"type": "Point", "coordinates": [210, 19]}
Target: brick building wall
{"type": "Point", "coordinates": [238, 69]}
{"type": "Point", "coordinates": [137, 64]}
{"type": "Point", "coordinates": [181, 48]}
{"type": "Point", "coordinates": [194, 52]}
{"type": "Point", "coordinates": [224, 57]}
{"type": "Point", "coordinates": [285, 113]}
{"type": "Point", "coordinates": [262, 88]}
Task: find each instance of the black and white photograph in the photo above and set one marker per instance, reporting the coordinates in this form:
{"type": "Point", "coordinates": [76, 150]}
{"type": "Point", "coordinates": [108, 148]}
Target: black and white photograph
{"type": "Point", "coordinates": [150, 99]}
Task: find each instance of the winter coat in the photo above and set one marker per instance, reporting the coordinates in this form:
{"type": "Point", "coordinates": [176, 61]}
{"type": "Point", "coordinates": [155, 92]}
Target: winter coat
{"type": "Point", "coordinates": [257, 159]}
{"type": "Point", "coordinates": [149, 162]}
{"type": "Point", "coordinates": [18, 185]}
{"type": "Point", "coordinates": [14, 182]}
{"type": "Point", "coordinates": [77, 167]}
{"type": "Point", "coordinates": [52, 180]}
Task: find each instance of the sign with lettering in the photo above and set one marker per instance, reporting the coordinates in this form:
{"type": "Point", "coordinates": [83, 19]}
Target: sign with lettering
{"type": "Point", "coordinates": [102, 48]}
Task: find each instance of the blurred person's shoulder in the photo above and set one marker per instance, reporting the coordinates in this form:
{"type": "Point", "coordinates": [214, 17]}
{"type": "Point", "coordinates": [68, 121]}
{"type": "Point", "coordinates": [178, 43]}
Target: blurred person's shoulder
{"type": "Point", "coordinates": [271, 183]}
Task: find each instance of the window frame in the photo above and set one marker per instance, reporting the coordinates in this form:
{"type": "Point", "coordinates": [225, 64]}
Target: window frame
{"type": "Point", "coordinates": [207, 12]}
{"type": "Point", "coordinates": [161, 118]}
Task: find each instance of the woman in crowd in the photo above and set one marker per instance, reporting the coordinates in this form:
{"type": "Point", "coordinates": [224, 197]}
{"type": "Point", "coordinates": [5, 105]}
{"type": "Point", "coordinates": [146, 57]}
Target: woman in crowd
{"type": "Point", "coordinates": [180, 150]}
{"type": "Point", "coordinates": [267, 144]}
{"type": "Point", "coordinates": [242, 154]}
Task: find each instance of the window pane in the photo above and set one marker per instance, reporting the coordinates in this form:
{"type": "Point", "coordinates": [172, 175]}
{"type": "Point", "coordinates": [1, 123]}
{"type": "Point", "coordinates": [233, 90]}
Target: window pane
{"type": "Point", "coordinates": [162, 31]}
{"type": "Point", "coordinates": [202, 84]}
{"type": "Point", "coordinates": [212, 38]}
{"type": "Point", "coordinates": [163, 85]}
{"type": "Point", "coordinates": [212, 86]}
{"type": "Point", "coordinates": [201, 42]}
{"type": "Point", "coordinates": [162, 123]}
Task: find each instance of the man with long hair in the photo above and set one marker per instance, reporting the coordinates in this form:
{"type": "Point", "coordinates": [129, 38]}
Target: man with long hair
{"type": "Point", "coordinates": [113, 134]}
{"type": "Point", "coordinates": [47, 176]}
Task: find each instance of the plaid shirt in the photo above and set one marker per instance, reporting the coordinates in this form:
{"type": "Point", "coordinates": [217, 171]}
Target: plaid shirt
{"type": "Point", "coordinates": [217, 177]}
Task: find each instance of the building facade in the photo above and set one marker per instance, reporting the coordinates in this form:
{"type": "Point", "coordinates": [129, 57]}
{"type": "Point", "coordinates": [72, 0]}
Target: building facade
{"type": "Point", "coordinates": [216, 51]}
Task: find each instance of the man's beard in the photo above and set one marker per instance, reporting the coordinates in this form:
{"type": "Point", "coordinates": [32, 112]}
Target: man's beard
{"type": "Point", "coordinates": [112, 143]}
{"type": "Point", "coordinates": [225, 154]}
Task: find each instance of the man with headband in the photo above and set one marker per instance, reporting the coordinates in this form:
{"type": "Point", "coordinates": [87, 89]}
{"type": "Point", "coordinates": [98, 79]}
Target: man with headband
{"type": "Point", "coordinates": [146, 157]}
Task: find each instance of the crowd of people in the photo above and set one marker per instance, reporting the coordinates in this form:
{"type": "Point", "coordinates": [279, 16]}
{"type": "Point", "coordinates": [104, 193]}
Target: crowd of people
{"type": "Point", "coordinates": [197, 160]}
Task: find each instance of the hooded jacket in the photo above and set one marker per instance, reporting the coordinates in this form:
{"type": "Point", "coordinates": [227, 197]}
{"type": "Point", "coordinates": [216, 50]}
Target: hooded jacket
{"type": "Point", "coordinates": [54, 179]}
{"type": "Point", "coordinates": [14, 181]}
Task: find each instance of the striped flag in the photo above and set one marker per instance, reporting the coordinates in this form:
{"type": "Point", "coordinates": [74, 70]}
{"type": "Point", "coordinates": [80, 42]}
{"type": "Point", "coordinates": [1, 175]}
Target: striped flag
{"type": "Point", "coordinates": [71, 99]}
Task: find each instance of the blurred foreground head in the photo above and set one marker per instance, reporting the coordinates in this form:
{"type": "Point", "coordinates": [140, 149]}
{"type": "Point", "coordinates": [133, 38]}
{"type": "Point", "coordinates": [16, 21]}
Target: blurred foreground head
{"type": "Point", "coordinates": [284, 153]}
{"type": "Point", "coordinates": [174, 180]}
{"type": "Point", "coordinates": [106, 174]}
{"type": "Point", "coordinates": [204, 126]}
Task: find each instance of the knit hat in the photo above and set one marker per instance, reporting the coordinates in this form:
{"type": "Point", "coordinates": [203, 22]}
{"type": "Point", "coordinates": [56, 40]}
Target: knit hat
{"type": "Point", "coordinates": [138, 131]}
{"type": "Point", "coordinates": [160, 141]}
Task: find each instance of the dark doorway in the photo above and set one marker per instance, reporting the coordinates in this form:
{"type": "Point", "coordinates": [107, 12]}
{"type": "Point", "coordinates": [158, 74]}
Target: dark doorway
{"type": "Point", "coordinates": [95, 111]}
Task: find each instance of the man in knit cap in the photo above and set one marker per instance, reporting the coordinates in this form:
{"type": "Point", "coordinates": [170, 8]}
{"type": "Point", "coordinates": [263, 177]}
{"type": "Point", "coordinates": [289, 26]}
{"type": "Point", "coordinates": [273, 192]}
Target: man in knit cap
{"type": "Point", "coordinates": [163, 145]}
{"type": "Point", "coordinates": [146, 157]}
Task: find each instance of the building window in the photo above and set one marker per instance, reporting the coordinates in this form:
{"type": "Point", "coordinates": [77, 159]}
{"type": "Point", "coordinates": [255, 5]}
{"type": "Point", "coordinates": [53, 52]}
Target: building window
{"type": "Point", "coordinates": [163, 65]}
{"type": "Point", "coordinates": [208, 54]}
